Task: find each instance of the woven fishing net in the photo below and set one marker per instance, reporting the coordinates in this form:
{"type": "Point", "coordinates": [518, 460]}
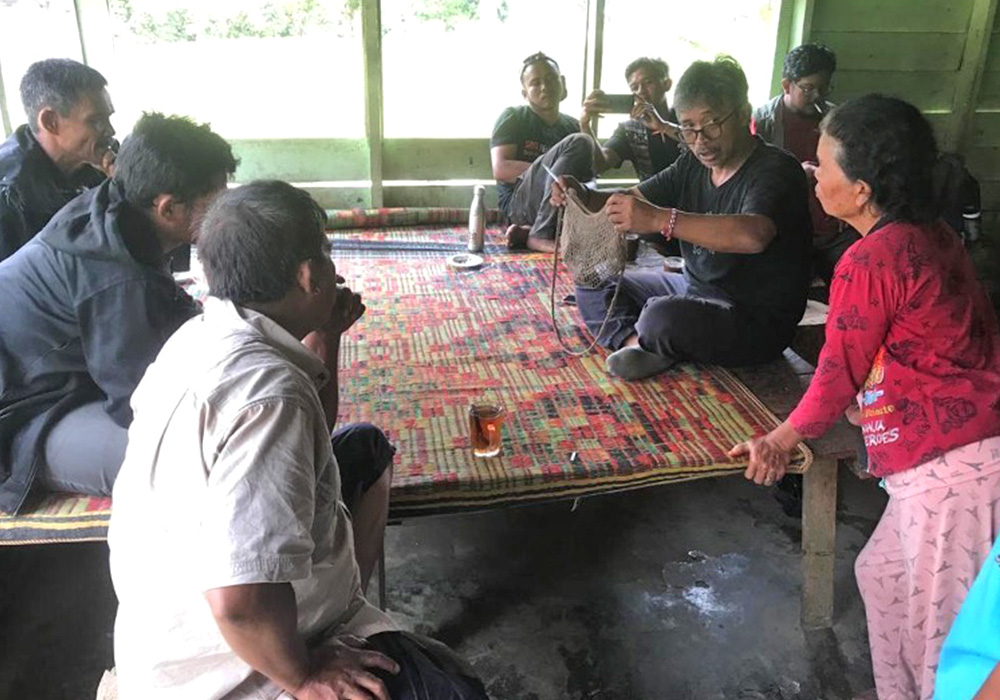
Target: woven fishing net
{"type": "Point", "coordinates": [593, 252]}
{"type": "Point", "coordinates": [590, 247]}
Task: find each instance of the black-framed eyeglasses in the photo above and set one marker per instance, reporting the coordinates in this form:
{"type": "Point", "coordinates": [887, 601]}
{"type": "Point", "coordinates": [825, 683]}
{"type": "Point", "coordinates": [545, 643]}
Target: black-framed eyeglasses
{"type": "Point", "coordinates": [809, 89]}
{"type": "Point", "coordinates": [709, 132]}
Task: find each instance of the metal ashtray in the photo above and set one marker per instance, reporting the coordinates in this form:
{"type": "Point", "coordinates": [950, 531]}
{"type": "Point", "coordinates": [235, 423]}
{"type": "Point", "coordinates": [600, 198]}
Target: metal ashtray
{"type": "Point", "coordinates": [673, 263]}
{"type": "Point", "coordinates": [464, 261]}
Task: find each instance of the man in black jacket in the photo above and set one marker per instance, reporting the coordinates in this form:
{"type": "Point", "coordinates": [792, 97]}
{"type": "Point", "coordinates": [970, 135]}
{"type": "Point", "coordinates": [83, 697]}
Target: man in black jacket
{"type": "Point", "coordinates": [88, 303]}
{"type": "Point", "coordinates": [50, 160]}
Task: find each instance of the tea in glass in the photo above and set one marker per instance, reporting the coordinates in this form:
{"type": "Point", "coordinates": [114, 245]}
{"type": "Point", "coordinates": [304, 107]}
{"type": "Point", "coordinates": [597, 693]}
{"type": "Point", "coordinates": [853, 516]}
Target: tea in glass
{"type": "Point", "coordinates": [485, 422]}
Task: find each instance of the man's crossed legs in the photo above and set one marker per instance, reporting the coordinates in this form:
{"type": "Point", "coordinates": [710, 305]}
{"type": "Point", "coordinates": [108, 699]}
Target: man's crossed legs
{"type": "Point", "coordinates": [660, 319]}
{"type": "Point", "coordinates": [533, 219]}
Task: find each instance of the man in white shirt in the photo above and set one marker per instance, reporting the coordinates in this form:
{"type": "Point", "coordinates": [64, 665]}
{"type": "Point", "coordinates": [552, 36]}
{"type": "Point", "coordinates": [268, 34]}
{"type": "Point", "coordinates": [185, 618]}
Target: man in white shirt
{"type": "Point", "coordinates": [232, 552]}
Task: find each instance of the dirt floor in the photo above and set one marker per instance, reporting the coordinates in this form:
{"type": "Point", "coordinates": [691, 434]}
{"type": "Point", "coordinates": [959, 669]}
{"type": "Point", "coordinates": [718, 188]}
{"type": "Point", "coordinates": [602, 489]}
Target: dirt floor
{"type": "Point", "coordinates": [689, 591]}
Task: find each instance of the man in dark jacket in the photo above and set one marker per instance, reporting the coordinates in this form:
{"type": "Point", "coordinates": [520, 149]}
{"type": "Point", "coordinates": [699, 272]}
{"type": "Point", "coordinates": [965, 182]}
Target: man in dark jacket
{"type": "Point", "coordinates": [88, 303]}
{"type": "Point", "coordinates": [50, 160]}
{"type": "Point", "coordinates": [791, 121]}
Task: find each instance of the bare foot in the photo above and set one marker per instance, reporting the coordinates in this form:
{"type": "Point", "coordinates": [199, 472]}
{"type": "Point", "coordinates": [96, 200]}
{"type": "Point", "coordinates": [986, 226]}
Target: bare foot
{"type": "Point", "coordinates": [517, 236]}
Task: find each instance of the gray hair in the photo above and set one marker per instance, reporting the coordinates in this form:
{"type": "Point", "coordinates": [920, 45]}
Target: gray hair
{"type": "Point", "coordinates": [719, 84]}
{"type": "Point", "coordinates": [59, 84]}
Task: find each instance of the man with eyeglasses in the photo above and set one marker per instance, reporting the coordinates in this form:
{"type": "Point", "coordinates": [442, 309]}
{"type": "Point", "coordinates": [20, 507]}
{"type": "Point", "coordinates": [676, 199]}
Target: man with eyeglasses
{"type": "Point", "coordinates": [530, 136]}
{"type": "Point", "coordinates": [738, 207]}
{"type": "Point", "coordinates": [791, 121]}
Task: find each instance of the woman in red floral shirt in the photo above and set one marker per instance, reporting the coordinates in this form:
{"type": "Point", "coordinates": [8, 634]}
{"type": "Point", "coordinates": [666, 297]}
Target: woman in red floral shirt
{"type": "Point", "coordinates": [912, 349]}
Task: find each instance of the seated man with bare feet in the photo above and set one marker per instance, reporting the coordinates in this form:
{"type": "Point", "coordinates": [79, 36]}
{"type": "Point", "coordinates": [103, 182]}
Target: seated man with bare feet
{"type": "Point", "coordinates": [527, 137]}
{"type": "Point", "coordinates": [791, 121]}
{"type": "Point", "coordinates": [738, 207]}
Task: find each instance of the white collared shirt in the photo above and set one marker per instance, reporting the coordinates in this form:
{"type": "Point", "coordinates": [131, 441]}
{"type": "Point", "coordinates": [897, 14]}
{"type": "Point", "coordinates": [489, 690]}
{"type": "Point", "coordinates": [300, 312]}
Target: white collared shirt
{"type": "Point", "coordinates": [229, 478]}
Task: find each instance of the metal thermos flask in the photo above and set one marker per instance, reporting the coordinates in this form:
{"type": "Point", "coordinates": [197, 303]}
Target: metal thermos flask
{"type": "Point", "coordinates": [477, 219]}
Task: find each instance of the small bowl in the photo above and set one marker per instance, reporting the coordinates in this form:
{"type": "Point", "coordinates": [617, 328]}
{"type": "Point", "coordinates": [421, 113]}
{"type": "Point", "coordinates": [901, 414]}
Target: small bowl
{"type": "Point", "coordinates": [673, 263]}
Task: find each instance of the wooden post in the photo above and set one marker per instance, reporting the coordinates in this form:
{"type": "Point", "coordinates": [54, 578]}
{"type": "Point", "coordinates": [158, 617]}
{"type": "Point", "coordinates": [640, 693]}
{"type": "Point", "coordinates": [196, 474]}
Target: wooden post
{"type": "Point", "coordinates": [593, 60]}
{"type": "Point", "coordinates": [371, 36]}
{"type": "Point", "coordinates": [794, 27]}
{"type": "Point", "coordinates": [93, 22]}
{"type": "Point", "coordinates": [598, 42]}
{"type": "Point", "coordinates": [819, 522]}
{"type": "Point", "coordinates": [4, 114]}
{"type": "Point", "coordinates": [970, 74]}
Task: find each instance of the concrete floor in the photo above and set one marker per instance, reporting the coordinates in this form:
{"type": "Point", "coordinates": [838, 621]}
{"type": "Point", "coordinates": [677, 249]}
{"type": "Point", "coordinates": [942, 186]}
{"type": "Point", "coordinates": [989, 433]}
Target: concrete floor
{"type": "Point", "coordinates": [670, 593]}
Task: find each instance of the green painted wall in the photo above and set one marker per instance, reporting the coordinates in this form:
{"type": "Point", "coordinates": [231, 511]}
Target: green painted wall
{"type": "Point", "coordinates": [931, 53]}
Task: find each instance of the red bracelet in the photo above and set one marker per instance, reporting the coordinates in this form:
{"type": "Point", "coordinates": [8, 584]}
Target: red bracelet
{"type": "Point", "coordinates": [668, 232]}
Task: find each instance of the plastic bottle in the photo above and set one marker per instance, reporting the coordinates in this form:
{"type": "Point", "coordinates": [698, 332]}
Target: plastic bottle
{"type": "Point", "coordinates": [477, 219]}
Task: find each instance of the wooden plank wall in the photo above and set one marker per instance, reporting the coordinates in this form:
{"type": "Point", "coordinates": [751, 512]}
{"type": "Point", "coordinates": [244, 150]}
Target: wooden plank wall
{"type": "Point", "coordinates": [983, 149]}
{"type": "Point", "coordinates": [922, 51]}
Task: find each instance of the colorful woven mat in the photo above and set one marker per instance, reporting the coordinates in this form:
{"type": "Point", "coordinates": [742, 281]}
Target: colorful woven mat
{"type": "Point", "coordinates": [435, 340]}
{"type": "Point", "coordinates": [57, 517]}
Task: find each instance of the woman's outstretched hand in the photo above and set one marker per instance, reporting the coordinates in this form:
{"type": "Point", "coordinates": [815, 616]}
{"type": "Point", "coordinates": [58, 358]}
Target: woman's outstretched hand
{"type": "Point", "coordinates": [768, 455]}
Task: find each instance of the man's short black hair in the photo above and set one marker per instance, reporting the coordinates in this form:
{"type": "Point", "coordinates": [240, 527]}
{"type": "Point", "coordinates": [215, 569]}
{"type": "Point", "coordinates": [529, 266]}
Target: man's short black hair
{"type": "Point", "coordinates": [657, 66]}
{"type": "Point", "coordinates": [57, 83]}
{"type": "Point", "coordinates": [809, 59]}
{"type": "Point", "coordinates": [254, 238]}
{"type": "Point", "coordinates": [719, 84]}
{"type": "Point", "coordinates": [889, 144]}
{"type": "Point", "coordinates": [171, 155]}
{"type": "Point", "coordinates": [538, 57]}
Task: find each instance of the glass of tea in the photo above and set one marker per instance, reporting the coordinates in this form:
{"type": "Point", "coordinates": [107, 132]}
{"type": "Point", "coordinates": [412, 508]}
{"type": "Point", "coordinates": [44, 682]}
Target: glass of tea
{"type": "Point", "coordinates": [485, 423]}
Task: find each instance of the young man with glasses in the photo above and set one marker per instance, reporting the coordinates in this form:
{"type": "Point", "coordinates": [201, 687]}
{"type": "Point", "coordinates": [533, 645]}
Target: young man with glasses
{"type": "Point", "coordinates": [791, 121]}
{"type": "Point", "coordinates": [527, 137]}
{"type": "Point", "coordinates": [738, 208]}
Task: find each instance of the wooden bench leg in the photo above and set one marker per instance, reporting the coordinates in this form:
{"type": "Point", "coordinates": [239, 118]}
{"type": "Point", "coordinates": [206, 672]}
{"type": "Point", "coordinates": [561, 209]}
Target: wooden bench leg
{"type": "Point", "coordinates": [381, 578]}
{"type": "Point", "coordinates": [819, 522]}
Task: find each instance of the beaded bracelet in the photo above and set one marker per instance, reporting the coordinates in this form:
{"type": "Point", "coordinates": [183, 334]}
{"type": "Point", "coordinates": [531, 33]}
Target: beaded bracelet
{"type": "Point", "coordinates": [668, 232]}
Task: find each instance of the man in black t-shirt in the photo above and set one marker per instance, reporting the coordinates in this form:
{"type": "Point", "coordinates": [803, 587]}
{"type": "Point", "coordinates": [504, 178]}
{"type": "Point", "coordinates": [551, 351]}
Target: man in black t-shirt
{"type": "Point", "coordinates": [739, 209]}
{"type": "Point", "coordinates": [641, 139]}
{"type": "Point", "coordinates": [527, 136]}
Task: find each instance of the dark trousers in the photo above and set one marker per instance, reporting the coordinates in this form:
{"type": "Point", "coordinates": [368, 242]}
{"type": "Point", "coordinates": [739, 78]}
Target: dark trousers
{"type": "Point", "coordinates": [529, 204]}
{"type": "Point", "coordinates": [676, 320]}
{"type": "Point", "coordinates": [363, 453]}
{"type": "Point", "coordinates": [428, 670]}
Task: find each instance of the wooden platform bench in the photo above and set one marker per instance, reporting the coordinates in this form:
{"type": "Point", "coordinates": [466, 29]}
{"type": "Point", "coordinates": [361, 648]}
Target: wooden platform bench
{"type": "Point", "coordinates": [435, 339]}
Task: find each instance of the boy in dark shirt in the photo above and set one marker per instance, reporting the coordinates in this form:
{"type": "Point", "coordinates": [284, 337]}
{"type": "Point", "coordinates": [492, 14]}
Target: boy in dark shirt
{"type": "Point", "coordinates": [650, 150]}
{"type": "Point", "coordinates": [529, 135]}
{"type": "Point", "coordinates": [738, 208]}
{"type": "Point", "coordinates": [791, 121]}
